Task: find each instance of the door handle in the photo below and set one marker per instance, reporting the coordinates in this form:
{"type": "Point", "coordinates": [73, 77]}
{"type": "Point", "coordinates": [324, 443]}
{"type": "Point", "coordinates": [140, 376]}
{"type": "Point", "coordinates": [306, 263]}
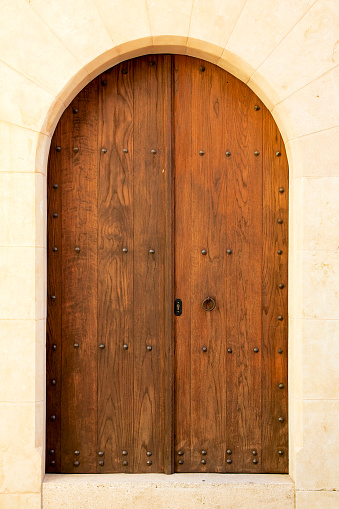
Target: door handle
{"type": "Point", "coordinates": [206, 302]}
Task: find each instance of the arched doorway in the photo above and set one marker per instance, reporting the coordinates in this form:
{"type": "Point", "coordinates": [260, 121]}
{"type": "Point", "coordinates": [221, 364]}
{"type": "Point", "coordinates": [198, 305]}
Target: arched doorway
{"type": "Point", "coordinates": [167, 275]}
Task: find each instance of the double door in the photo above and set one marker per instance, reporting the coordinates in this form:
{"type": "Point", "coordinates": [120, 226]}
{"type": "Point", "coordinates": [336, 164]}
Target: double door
{"type": "Point", "coordinates": [167, 275]}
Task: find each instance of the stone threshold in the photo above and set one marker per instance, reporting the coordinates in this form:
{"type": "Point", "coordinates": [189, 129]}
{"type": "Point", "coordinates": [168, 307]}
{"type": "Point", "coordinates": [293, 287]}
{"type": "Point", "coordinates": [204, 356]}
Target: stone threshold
{"type": "Point", "coordinates": [159, 491]}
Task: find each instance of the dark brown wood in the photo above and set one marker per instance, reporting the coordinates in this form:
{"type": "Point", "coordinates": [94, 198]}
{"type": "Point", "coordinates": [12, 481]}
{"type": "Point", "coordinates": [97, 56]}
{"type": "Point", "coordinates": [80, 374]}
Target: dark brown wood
{"type": "Point", "coordinates": [114, 193]}
{"type": "Point", "coordinates": [79, 286]}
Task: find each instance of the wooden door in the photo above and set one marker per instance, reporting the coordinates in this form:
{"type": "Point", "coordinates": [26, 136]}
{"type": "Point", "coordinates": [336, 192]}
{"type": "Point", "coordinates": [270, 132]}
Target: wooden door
{"type": "Point", "coordinates": [167, 180]}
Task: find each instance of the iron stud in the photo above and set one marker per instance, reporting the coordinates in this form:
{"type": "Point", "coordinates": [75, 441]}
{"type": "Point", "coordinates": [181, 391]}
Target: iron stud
{"type": "Point", "coordinates": [125, 250]}
{"type": "Point", "coordinates": [52, 417]}
{"type": "Point", "coordinates": [100, 453]}
{"type": "Point", "coordinates": [204, 252]}
{"type": "Point", "coordinates": [281, 453]}
{"type": "Point", "coordinates": [180, 453]}
{"type": "Point", "coordinates": [75, 111]}
{"type": "Point", "coordinates": [153, 151]}
{"type": "Point", "coordinates": [256, 153]}
{"type": "Point", "coordinates": [255, 461]}
{"type": "Point", "coordinates": [202, 69]}
{"type": "Point", "coordinates": [149, 348]}
{"type": "Point", "coordinates": [101, 463]}
{"type": "Point", "coordinates": [55, 186]}
{"type": "Point", "coordinates": [55, 215]}
{"type": "Point", "coordinates": [228, 153]}
{"type": "Point", "coordinates": [125, 347]}
{"type": "Point", "coordinates": [280, 350]}
{"type": "Point", "coordinates": [280, 221]}
{"type": "Point", "coordinates": [58, 149]}
{"type": "Point", "coordinates": [104, 83]}
{"type": "Point", "coordinates": [281, 190]}
{"type": "Point", "coordinates": [281, 419]}
{"type": "Point", "coordinates": [151, 251]}
{"type": "Point", "coordinates": [229, 461]}
{"type": "Point", "coordinates": [55, 249]}
{"type": "Point", "coordinates": [229, 451]}
{"type": "Point", "coordinates": [256, 107]}
{"type": "Point", "coordinates": [77, 453]}
{"type": "Point", "coordinates": [280, 318]}
{"type": "Point", "coordinates": [181, 462]}
{"type": "Point", "coordinates": [52, 463]}
{"type": "Point", "coordinates": [204, 453]}
{"type": "Point", "coordinates": [204, 349]}
{"type": "Point", "coordinates": [77, 249]}
{"type": "Point", "coordinates": [278, 154]}
{"type": "Point", "coordinates": [229, 251]}
{"type": "Point", "coordinates": [229, 350]}
{"type": "Point", "coordinates": [255, 350]}
{"type": "Point", "coordinates": [53, 381]}
{"type": "Point", "coordinates": [151, 63]}
{"type": "Point", "coordinates": [53, 297]}
{"type": "Point", "coordinates": [102, 346]}
{"type": "Point", "coordinates": [124, 71]}
{"type": "Point", "coordinates": [201, 152]}
{"type": "Point", "coordinates": [104, 150]}
{"type": "Point", "coordinates": [76, 463]}
{"type": "Point", "coordinates": [281, 386]}
{"type": "Point", "coordinates": [254, 452]}
{"type": "Point", "coordinates": [281, 286]}
{"type": "Point", "coordinates": [149, 462]}
{"type": "Point", "coordinates": [54, 347]}
{"type": "Point", "coordinates": [148, 453]}
{"type": "Point", "coordinates": [279, 252]}
{"type": "Point", "coordinates": [203, 462]}
{"type": "Point", "coordinates": [76, 345]}
{"type": "Point", "coordinates": [125, 463]}
{"type": "Point", "coordinates": [124, 453]}
{"type": "Point", "coordinates": [76, 150]}
{"type": "Point", "coordinates": [125, 150]}
{"type": "Point", "coordinates": [51, 452]}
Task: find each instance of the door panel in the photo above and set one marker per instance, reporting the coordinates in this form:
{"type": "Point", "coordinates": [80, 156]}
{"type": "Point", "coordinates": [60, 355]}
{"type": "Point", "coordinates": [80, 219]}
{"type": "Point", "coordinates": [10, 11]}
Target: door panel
{"type": "Point", "coordinates": [172, 182]}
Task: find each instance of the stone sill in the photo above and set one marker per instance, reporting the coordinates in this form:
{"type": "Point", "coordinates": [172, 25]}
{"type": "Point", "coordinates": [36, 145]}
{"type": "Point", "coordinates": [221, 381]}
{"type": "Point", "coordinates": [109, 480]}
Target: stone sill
{"type": "Point", "coordinates": [176, 491]}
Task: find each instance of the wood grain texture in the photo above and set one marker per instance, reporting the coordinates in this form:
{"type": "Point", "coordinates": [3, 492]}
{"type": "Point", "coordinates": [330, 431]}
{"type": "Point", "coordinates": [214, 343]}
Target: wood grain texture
{"type": "Point", "coordinates": [114, 193]}
{"type": "Point", "coordinates": [79, 286]}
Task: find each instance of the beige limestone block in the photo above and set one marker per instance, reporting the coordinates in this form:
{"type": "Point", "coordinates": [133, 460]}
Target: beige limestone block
{"type": "Point", "coordinates": [20, 469]}
{"type": "Point", "coordinates": [23, 102]}
{"type": "Point", "coordinates": [168, 19]}
{"type": "Point", "coordinates": [296, 282]}
{"type": "Point", "coordinates": [316, 461]}
{"type": "Point", "coordinates": [313, 108]}
{"type": "Point", "coordinates": [125, 21]}
{"type": "Point", "coordinates": [262, 25]}
{"type": "Point", "coordinates": [40, 195]}
{"type": "Point", "coordinates": [303, 154]}
{"type": "Point", "coordinates": [213, 21]}
{"type": "Point", "coordinates": [22, 290]}
{"type": "Point", "coordinates": [320, 216]}
{"type": "Point", "coordinates": [317, 499]}
{"type": "Point", "coordinates": [78, 25]}
{"type": "Point", "coordinates": [178, 491]}
{"type": "Point", "coordinates": [22, 350]}
{"type": "Point", "coordinates": [29, 46]}
{"type": "Point", "coordinates": [320, 359]}
{"type": "Point", "coordinates": [237, 66]}
{"type": "Point", "coordinates": [26, 501]}
{"type": "Point", "coordinates": [306, 53]}
{"type": "Point", "coordinates": [320, 273]}
{"type": "Point", "coordinates": [19, 426]}
{"type": "Point", "coordinates": [295, 358]}
{"type": "Point", "coordinates": [205, 50]}
{"type": "Point", "coordinates": [19, 149]}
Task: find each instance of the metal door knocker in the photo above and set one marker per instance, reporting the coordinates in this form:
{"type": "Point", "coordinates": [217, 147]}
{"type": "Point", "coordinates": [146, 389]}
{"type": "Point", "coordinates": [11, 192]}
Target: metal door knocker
{"type": "Point", "coordinates": [207, 302]}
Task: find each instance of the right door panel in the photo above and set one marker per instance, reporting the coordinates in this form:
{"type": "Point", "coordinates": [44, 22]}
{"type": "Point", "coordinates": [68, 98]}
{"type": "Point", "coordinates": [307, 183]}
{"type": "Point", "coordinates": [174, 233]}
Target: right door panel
{"type": "Point", "coordinates": [231, 203]}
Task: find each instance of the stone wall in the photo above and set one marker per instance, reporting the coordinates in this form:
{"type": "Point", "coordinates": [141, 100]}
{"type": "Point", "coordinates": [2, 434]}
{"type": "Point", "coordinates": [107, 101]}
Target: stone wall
{"type": "Point", "coordinates": [287, 52]}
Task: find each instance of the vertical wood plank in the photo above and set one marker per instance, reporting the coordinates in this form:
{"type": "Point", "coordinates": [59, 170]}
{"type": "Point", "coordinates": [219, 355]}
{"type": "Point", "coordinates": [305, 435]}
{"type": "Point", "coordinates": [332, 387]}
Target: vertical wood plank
{"type": "Point", "coordinates": [79, 289]}
{"type": "Point", "coordinates": [150, 125]}
{"type": "Point", "coordinates": [274, 273]}
{"type": "Point", "coordinates": [54, 287]}
{"type": "Point", "coordinates": [115, 270]}
{"type": "Point", "coordinates": [244, 224]}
